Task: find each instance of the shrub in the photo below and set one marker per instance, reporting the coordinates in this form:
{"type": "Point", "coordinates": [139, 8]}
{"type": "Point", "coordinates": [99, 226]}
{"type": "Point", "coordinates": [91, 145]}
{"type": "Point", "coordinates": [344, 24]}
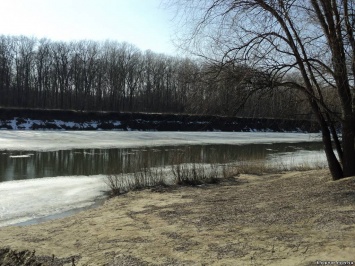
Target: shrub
{"type": "Point", "coordinates": [194, 174]}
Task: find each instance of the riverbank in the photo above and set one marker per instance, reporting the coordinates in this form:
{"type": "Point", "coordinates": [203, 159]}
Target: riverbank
{"type": "Point", "coordinates": [291, 218]}
{"type": "Point", "coordinates": [38, 119]}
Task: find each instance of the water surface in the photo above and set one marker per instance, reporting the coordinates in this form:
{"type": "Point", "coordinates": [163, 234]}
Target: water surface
{"type": "Point", "coordinates": [18, 165]}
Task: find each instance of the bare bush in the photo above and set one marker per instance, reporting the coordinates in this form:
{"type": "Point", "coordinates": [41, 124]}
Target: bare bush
{"type": "Point", "coordinates": [195, 174]}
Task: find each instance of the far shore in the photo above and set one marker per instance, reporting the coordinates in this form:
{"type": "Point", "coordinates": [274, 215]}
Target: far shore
{"type": "Point", "coordinates": [55, 119]}
{"type": "Point", "coordinates": [288, 218]}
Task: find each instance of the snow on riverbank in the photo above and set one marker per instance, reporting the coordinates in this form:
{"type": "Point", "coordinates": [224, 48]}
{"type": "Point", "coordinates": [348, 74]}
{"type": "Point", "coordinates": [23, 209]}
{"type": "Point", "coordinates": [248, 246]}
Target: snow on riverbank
{"type": "Point", "coordinates": [64, 140]}
{"type": "Point", "coordinates": [298, 160]}
{"type": "Point", "coordinates": [36, 198]}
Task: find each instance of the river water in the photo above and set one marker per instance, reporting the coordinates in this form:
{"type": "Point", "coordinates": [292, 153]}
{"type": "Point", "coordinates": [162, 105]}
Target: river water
{"type": "Point", "coordinates": [48, 173]}
{"type": "Point", "coordinates": [18, 165]}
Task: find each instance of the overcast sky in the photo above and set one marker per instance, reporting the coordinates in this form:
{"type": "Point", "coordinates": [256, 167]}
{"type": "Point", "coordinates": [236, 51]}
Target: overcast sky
{"type": "Point", "coordinates": [144, 23]}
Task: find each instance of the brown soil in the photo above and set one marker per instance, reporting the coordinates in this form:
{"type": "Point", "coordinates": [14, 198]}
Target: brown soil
{"type": "Point", "coordinates": [293, 218]}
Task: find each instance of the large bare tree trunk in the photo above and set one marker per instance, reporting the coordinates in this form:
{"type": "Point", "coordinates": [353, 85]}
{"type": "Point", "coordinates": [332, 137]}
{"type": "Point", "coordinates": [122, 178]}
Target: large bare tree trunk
{"type": "Point", "coordinates": [333, 162]}
{"type": "Point", "coordinates": [348, 148]}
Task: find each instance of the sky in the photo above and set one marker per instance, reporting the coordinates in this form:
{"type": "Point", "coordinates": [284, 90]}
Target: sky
{"type": "Point", "coordinates": [143, 23]}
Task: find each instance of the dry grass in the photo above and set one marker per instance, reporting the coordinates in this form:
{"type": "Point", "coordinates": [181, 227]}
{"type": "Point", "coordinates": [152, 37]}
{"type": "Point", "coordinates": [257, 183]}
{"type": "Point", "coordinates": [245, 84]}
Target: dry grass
{"type": "Point", "coordinates": [262, 166]}
{"type": "Point", "coordinates": [194, 174]}
{"type": "Point", "coordinates": [146, 178]}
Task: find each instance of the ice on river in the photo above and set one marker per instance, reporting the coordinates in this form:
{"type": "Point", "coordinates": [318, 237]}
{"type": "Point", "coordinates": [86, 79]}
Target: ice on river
{"type": "Point", "coordinates": [61, 140]}
{"type": "Point", "coordinates": [298, 160]}
{"type": "Point", "coordinates": [36, 198]}
{"type": "Point", "coordinates": [31, 199]}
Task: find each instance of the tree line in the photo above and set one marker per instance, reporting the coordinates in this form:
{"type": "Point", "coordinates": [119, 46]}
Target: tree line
{"type": "Point", "coordinates": [113, 76]}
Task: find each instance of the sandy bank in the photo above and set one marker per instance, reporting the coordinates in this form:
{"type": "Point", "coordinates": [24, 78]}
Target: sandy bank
{"type": "Point", "coordinates": [293, 218]}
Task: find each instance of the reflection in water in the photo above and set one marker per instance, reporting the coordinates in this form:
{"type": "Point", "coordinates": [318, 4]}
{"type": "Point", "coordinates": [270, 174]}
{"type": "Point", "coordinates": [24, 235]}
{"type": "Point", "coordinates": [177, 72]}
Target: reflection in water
{"type": "Point", "coordinates": [26, 165]}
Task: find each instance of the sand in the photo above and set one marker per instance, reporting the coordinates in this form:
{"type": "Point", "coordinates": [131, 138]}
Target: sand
{"type": "Point", "coordinates": [291, 218]}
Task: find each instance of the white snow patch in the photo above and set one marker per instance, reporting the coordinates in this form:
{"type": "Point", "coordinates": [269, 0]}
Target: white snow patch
{"type": "Point", "coordinates": [298, 158]}
{"type": "Point", "coordinates": [116, 123]}
{"type": "Point", "coordinates": [70, 124]}
{"type": "Point", "coordinates": [29, 124]}
{"type": "Point", "coordinates": [93, 124]}
{"type": "Point", "coordinates": [32, 199]}
{"type": "Point", "coordinates": [13, 123]}
{"type": "Point", "coordinates": [21, 156]}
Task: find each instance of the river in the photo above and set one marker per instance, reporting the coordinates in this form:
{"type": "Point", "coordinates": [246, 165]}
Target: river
{"type": "Point", "coordinates": [48, 173]}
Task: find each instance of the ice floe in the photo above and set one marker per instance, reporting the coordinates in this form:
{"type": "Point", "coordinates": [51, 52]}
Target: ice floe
{"type": "Point", "coordinates": [60, 140]}
{"type": "Point", "coordinates": [36, 198]}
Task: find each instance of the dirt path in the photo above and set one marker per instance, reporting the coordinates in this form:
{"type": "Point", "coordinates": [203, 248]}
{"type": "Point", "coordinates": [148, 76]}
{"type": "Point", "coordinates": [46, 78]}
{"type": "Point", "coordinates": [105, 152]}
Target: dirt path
{"type": "Point", "coordinates": [293, 218]}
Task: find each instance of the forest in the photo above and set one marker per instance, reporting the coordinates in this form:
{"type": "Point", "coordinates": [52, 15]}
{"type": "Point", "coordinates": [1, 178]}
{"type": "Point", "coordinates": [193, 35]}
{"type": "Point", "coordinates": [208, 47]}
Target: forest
{"type": "Point", "coordinates": [112, 76]}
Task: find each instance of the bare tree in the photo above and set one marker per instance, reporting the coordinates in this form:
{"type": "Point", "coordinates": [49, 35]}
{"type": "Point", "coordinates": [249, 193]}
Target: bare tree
{"type": "Point", "coordinates": [6, 62]}
{"type": "Point", "coordinates": [313, 39]}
